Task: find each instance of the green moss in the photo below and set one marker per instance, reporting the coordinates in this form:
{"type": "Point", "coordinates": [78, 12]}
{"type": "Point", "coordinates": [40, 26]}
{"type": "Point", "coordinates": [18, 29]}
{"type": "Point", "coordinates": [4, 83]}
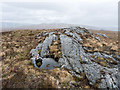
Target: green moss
{"type": "Point", "coordinates": [39, 64]}
{"type": "Point", "coordinates": [47, 65]}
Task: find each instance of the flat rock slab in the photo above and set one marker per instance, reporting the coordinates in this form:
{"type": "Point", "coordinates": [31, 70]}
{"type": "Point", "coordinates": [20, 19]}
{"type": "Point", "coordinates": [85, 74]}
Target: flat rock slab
{"type": "Point", "coordinates": [49, 63]}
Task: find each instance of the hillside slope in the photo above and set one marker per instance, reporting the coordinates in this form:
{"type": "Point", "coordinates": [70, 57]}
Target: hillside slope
{"type": "Point", "coordinates": [82, 58]}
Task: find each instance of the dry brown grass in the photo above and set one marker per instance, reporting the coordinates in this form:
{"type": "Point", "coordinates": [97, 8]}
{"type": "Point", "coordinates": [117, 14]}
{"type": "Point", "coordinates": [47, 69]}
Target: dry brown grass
{"type": "Point", "coordinates": [112, 34]}
{"type": "Point", "coordinates": [17, 69]}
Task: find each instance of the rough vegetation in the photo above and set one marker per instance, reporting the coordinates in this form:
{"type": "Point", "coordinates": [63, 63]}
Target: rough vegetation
{"type": "Point", "coordinates": [61, 58]}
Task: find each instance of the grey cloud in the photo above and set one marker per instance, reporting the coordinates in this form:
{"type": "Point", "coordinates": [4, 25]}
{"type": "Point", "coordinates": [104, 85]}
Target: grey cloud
{"type": "Point", "coordinates": [86, 13]}
{"type": "Point", "coordinates": [39, 5]}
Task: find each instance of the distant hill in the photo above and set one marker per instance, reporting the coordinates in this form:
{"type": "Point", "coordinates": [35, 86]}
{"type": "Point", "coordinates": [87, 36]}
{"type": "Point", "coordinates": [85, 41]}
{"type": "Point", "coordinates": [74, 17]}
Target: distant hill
{"type": "Point", "coordinates": [7, 26]}
{"type": "Point", "coordinates": [18, 26]}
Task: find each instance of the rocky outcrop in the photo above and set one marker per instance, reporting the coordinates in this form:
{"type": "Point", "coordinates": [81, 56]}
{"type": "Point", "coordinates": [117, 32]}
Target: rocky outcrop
{"type": "Point", "coordinates": [81, 53]}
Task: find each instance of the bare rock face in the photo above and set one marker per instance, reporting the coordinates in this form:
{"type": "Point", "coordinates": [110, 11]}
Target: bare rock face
{"type": "Point", "coordinates": [81, 53]}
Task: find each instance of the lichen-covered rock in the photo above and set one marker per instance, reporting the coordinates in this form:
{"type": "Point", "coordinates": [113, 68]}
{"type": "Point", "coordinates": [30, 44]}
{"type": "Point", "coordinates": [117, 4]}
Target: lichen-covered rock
{"type": "Point", "coordinates": [82, 54]}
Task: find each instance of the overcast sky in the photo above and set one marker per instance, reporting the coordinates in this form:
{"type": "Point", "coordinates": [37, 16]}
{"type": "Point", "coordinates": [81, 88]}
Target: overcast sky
{"type": "Point", "coordinates": [100, 13]}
